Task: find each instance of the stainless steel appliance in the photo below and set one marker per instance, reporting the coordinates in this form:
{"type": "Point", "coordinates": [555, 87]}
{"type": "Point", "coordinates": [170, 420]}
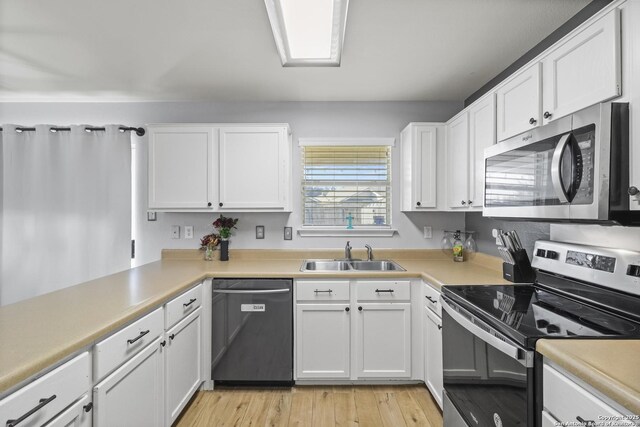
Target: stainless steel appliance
{"type": "Point", "coordinates": [573, 169]}
{"type": "Point", "coordinates": [492, 375]}
{"type": "Point", "coordinates": [252, 332]}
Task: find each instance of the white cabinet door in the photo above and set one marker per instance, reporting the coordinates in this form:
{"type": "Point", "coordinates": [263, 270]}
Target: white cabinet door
{"type": "Point", "coordinates": [420, 171]}
{"type": "Point", "coordinates": [323, 340]}
{"type": "Point", "coordinates": [433, 355]}
{"type": "Point", "coordinates": [183, 363]}
{"type": "Point", "coordinates": [518, 103]}
{"type": "Point", "coordinates": [458, 161]}
{"type": "Point", "coordinates": [133, 395]}
{"type": "Point", "coordinates": [181, 160]}
{"type": "Point", "coordinates": [482, 134]}
{"type": "Point", "coordinates": [77, 415]}
{"type": "Point", "coordinates": [383, 340]}
{"type": "Point", "coordinates": [583, 71]}
{"type": "Point", "coordinates": [254, 168]}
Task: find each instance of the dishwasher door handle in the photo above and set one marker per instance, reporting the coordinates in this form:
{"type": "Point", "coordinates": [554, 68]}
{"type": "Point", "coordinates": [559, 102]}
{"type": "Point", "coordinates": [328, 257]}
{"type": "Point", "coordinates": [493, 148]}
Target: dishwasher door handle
{"type": "Point", "coordinates": [251, 291]}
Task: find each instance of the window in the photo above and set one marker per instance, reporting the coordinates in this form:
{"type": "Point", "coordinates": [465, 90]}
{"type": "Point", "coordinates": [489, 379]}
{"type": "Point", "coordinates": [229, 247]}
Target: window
{"type": "Point", "coordinates": [346, 182]}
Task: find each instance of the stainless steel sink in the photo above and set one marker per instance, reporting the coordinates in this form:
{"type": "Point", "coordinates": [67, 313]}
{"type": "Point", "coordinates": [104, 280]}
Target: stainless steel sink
{"type": "Point", "coordinates": [384, 265]}
{"type": "Point", "coordinates": [343, 265]}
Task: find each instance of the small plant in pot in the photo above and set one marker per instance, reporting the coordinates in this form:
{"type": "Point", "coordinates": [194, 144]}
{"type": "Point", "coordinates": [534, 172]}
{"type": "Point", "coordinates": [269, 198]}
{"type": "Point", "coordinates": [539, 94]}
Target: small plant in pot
{"type": "Point", "coordinates": [225, 227]}
{"type": "Point", "coordinates": [208, 244]}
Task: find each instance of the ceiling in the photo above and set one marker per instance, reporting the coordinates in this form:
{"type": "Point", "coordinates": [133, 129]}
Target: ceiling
{"type": "Point", "coordinates": [223, 50]}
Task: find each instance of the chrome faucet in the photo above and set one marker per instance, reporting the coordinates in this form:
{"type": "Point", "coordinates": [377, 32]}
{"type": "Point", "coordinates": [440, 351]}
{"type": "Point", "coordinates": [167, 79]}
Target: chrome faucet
{"type": "Point", "coordinates": [369, 252]}
{"type": "Point", "coordinates": [347, 252]}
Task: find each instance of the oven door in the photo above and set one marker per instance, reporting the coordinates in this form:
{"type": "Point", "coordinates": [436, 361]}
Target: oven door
{"type": "Point", "coordinates": [488, 379]}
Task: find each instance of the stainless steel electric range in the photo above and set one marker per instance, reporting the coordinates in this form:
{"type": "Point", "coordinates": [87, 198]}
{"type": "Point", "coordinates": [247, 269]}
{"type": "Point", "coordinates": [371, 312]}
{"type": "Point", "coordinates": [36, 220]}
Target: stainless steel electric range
{"type": "Point", "coordinates": [492, 374]}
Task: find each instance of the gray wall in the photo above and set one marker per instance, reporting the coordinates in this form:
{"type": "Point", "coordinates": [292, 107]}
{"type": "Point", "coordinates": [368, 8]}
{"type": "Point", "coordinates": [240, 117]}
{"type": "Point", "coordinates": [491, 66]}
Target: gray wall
{"type": "Point", "coordinates": [307, 119]}
{"type": "Point", "coordinates": [528, 231]}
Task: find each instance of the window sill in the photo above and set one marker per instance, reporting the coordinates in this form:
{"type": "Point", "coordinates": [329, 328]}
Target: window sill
{"type": "Point", "coordinates": [343, 232]}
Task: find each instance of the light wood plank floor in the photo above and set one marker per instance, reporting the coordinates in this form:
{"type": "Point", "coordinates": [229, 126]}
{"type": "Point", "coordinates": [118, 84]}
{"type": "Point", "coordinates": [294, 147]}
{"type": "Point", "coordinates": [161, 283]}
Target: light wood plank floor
{"type": "Point", "coordinates": [314, 406]}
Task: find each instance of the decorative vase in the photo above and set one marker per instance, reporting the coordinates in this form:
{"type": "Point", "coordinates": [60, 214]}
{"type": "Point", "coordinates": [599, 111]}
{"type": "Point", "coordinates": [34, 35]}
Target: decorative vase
{"type": "Point", "coordinates": [208, 253]}
{"type": "Point", "coordinates": [224, 250]}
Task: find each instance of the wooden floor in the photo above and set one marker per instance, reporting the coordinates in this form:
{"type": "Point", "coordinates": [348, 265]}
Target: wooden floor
{"type": "Point", "coordinates": [314, 406]}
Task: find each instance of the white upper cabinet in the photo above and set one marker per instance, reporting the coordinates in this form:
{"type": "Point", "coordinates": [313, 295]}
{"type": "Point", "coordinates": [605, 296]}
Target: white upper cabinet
{"type": "Point", "coordinates": [255, 168]}
{"type": "Point", "coordinates": [458, 161]}
{"type": "Point", "coordinates": [419, 153]}
{"type": "Point", "coordinates": [180, 167]}
{"type": "Point", "coordinates": [215, 167]}
{"type": "Point", "coordinates": [482, 134]}
{"type": "Point", "coordinates": [584, 70]}
{"type": "Point", "coordinates": [518, 104]}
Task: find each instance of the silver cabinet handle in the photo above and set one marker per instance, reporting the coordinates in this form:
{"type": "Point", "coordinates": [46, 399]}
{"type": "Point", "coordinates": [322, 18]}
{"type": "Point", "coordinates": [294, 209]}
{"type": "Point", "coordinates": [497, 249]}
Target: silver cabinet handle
{"type": "Point", "coordinates": [251, 291]}
{"type": "Point", "coordinates": [532, 121]}
{"type": "Point", "coordinates": [546, 115]}
{"type": "Point", "coordinates": [463, 202]}
{"type": "Point", "coordinates": [389, 291]}
{"type": "Point", "coordinates": [40, 405]}
{"type": "Point", "coordinates": [431, 299]}
{"type": "Point", "coordinates": [587, 423]}
{"type": "Point", "coordinates": [480, 329]}
{"type": "Point", "coordinates": [191, 301]}
{"type": "Point", "coordinates": [328, 291]}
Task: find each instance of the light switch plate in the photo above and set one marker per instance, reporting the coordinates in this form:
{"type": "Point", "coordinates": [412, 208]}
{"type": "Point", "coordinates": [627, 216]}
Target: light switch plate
{"type": "Point", "coordinates": [188, 231]}
{"type": "Point", "coordinates": [259, 231]}
{"type": "Point", "coordinates": [175, 231]}
{"type": "Point", "coordinates": [288, 233]}
{"type": "Point", "coordinates": [151, 215]}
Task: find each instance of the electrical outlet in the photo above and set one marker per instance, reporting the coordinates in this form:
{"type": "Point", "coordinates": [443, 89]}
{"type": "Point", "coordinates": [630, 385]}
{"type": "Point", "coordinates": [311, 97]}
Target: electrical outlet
{"type": "Point", "coordinates": [288, 233]}
{"type": "Point", "coordinates": [175, 231]}
{"type": "Point", "coordinates": [151, 216]}
{"type": "Point", "coordinates": [259, 231]}
{"type": "Point", "coordinates": [428, 232]}
{"type": "Point", "coordinates": [188, 231]}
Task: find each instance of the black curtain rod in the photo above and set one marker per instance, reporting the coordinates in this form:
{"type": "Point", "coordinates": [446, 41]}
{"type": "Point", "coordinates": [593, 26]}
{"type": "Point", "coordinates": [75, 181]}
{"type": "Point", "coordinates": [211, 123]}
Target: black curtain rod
{"type": "Point", "coordinates": [139, 131]}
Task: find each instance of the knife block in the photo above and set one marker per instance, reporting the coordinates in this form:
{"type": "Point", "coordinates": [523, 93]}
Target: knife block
{"type": "Point", "coordinates": [521, 271]}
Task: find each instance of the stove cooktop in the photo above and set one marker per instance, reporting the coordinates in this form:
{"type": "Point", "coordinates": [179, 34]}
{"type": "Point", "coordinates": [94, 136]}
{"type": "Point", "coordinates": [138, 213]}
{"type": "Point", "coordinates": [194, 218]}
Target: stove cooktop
{"type": "Point", "coordinates": [527, 312]}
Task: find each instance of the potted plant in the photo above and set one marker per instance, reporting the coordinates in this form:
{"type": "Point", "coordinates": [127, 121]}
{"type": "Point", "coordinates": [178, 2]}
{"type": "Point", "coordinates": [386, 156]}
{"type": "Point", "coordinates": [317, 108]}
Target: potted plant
{"type": "Point", "coordinates": [225, 227]}
{"type": "Point", "coordinates": [208, 244]}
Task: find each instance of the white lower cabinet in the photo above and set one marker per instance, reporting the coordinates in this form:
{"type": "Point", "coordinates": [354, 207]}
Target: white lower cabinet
{"type": "Point", "coordinates": [45, 398]}
{"type": "Point", "coordinates": [383, 347]}
{"type": "Point", "coordinates": [567, 400]}
{"type": "Point", "coordinates": [133, 395]}
{"type": "Point", "coordinates": [77, 415]}
{"type": "Point", "coordinates": [183, 363]}
{"type": "Point", "coordinates": [323, 341]}
{"type": "Point", "coordinates": [433, 354]}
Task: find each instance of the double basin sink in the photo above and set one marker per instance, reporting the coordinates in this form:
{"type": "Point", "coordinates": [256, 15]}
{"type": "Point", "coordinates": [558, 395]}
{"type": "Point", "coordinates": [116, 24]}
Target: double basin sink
{"type": "Point", "coordinates": [349, 265]}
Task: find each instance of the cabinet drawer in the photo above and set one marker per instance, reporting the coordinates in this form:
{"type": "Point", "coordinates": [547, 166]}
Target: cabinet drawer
{"type": "Point", "coordinates": [383, 290]}
{"type": "Point", "coordinates": [52, 393]}
{"type": "Point", "coordinates": [115, 350]}
{"type": "Point", "coordinates": [559, 390]}
{"type": "Point", "coordinates": [323, 290]}
{"type": "Point", "coordinates": [432, 299]}
{"type": "Point", "coordinates": [178, 308]}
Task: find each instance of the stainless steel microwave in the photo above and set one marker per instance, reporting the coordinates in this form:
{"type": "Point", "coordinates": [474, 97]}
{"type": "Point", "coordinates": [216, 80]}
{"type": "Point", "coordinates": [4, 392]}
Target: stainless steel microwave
{"type": "Point", "coordinates": [575, 169]}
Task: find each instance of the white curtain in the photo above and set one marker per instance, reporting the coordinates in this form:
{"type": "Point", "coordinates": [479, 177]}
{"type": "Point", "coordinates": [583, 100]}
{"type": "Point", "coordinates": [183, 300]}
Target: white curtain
{"type": "Point", "coordinates": [66, 208]}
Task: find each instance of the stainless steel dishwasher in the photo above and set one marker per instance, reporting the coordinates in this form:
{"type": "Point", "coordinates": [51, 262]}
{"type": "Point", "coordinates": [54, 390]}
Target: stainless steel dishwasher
{"type": "Point", "coordinates": [252, 332]}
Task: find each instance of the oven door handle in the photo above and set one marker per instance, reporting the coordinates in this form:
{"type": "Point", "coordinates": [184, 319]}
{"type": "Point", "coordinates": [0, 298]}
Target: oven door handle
{"type": "Point", "coordinates": [495, 340]}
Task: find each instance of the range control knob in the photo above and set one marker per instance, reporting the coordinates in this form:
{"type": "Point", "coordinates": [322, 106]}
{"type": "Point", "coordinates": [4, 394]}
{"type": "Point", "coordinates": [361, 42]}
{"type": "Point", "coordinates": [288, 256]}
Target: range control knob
{"type": "Point", "coordinates": [553, 329]}
{"type": "Point", "coordinates": [541, 253]}
{"type": "Point", "coordinates": [551, 255]}
{"type": "Point", "coordinates": [633, 270]}
{"type": "Point", "coordinates": [542, 323]}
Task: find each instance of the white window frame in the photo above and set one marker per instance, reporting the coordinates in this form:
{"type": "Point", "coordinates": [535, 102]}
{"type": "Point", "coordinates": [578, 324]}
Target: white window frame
{"type": "Point", "coordinates": [341, 231]}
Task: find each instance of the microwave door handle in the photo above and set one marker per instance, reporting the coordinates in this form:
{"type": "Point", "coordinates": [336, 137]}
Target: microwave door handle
{"type": "Point", "coordinates": [556, 168]}
{"type": "Point", "coordinates": [525, 357]}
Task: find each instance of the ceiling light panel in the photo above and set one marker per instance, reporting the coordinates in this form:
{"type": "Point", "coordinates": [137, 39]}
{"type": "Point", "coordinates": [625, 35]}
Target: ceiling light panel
{"type": "Point", "coordinates": [308, 32]}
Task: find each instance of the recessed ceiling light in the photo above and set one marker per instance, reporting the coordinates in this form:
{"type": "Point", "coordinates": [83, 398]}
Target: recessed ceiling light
{"type": "Point", "coordinates": [308, 33]}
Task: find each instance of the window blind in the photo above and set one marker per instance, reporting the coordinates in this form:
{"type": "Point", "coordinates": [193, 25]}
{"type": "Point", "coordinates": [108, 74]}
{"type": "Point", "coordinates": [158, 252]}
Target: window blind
{"type": "Point", "coordinates": [346, 181]}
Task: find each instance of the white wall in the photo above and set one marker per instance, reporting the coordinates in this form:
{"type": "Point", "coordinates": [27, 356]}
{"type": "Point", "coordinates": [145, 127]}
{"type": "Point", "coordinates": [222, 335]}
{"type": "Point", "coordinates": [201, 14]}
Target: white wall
{"type": "Point", "coordinates": [307, 119]}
